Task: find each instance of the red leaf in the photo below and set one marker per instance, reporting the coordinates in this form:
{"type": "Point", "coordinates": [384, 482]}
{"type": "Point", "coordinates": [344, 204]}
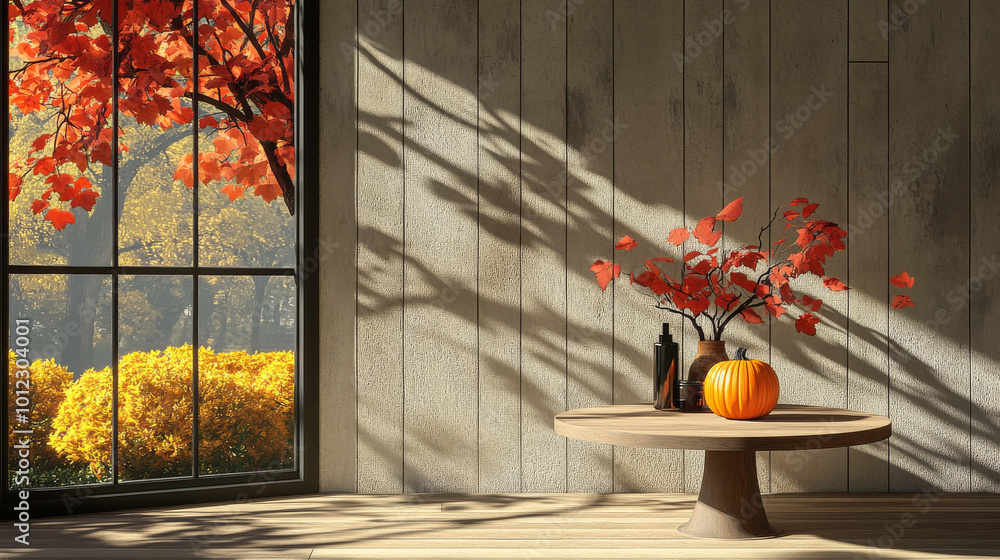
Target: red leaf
{"type": "Point", "coordinates": [809, 210]}
{"type": "Point", "coordinates": [774, 308]}
{"type": "Point", "coordinates": [751, 258]}
{"type": "Point", "coordinates": [678, 236]}
{"type": "Point", "coordinates": [13, 185]}
{"type": "Point", "coordinates": [834, 285]}
{"type": "Point", "coordinates": [798, 201]}
{"type": "Point", "coordinates": [39, 143]}
{"type": "Point", "coordinates": [147, 113]}
{"type": "Point", "coordinates": [741, 280]}
{"type": "Point", "coordinates": [816, 268]}
{"type": "Point", "coordinates": [232, 190]}
{"type": "Point", "coordinates": [626, 244]}
{"type": "Point", "coordinates": [902, 280]}
{"type": "Point", "coordinates": [702, 267]}
{"type": "Point", "coordinates": [267, 191]}
{"type": "Point", "coordinates": [38, 205]}
{"type": "Point", "coordinates": [692, 255]}
{"type": "Point", "coordinates": [102, 153]}
{"type": "Point", "coordinates": [805, 237]}
{"type": "Point", "coordinates": [727, 301]}
{"type": "Point", "coordinates": [45, 166]}
{"type": "Point", "coordinates": [605, 272]}
{"type": "Point", "coordinates": [806, 324]}
{"type": "Point", "coordinates": [900, 302]}
{"type": "Point", "coordinates": [751, 316]}
{"type": "Point", "coordinates": [703, 232]}
{"type": "Point", "coordinates": [791, 215]}
{"type": "Point", "coordinates": [85, 199]}
{"type": "Point", "coordinates": [813, 304]}
{"type": "Point", "coordinates": [732, 211]}
{"type": "Point", "coordinates": [800, 263]}
{"type": "Point", "coordinates": [694, 283]}
{"type": "Point", "coordinates": [786, 293]}
{"type": "Point", "coordinates": [696, 305]}
{"type": "Point", "coordinates": [60, 218]}
{"type": "Point", "coordinates": [655, 269]}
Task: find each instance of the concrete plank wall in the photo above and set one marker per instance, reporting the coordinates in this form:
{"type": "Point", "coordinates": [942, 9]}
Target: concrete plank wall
{"type": "Point", "coordinates": [440, 261]}
{"type": "Point", "coordinates": [648, 112]}
{"type": "Point", "coordinates": [703, 70]}
{"type": "Point", "coordinates": [543, 244]}
{"type": "Point", "coordinates": [984, 263]}
{"type": "Point", "coordinates": [499, 147]}
{"type": "Point", "coordinates": [380, 248]}
{"type": "Point", "coordinates": [590, 200]}
{"type": "Point", "coordinates": [338, 415]}
{"type": "Point", "coordinates": [499, 294]}
{"type": "Point", "coordinates": [929, 236]}
{"type": "Point", "coordinates": [747, 161]}
{"type": "Point", "coordinates": [809, 112]}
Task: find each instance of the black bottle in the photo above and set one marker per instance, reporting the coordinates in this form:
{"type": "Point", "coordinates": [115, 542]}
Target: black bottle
{"type": "Point", "coordinates": [665, 353]}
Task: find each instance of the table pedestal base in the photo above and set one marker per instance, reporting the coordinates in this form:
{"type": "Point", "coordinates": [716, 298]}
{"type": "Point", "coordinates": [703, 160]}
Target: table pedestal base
{"type": "Point", "coordinates": [729, 505]}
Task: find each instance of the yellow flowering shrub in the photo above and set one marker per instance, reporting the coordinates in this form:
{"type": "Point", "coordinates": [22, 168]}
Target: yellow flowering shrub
{"type": "Point", "coordinates": [244, 414]}
{"type": "Point", "coordinates": [47, 383]}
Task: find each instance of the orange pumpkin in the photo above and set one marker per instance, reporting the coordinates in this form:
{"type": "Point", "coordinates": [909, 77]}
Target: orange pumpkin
{"type": "Point", "coordinates": [741, 389]}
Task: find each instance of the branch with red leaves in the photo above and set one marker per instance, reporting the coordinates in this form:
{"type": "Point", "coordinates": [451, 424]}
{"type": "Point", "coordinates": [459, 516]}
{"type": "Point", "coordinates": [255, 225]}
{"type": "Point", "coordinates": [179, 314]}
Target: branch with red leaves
{"type": "Point", "coordinates": [711, 289]}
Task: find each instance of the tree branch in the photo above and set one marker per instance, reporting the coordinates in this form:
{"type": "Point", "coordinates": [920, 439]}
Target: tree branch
{"type": "Point", "coordinates": [247, 30]}
{"type": "Point", "coordinates": [227, 109]}
{"type": "Point", "coordinates": [285, 180]}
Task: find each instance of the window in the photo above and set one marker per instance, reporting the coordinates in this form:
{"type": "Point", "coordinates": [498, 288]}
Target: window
{"type": "Point", "coordinates": [157, 327]}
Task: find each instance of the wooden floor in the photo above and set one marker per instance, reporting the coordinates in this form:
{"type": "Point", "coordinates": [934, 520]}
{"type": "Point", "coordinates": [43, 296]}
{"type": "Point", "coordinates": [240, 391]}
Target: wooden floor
{"type": "Point", "coordinates": [522, 526]}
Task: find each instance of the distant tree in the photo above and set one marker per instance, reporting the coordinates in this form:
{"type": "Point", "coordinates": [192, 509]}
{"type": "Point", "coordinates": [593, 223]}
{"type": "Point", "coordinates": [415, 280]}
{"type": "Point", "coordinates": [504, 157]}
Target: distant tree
{"type": "Point", "coordinates": [245, 86]}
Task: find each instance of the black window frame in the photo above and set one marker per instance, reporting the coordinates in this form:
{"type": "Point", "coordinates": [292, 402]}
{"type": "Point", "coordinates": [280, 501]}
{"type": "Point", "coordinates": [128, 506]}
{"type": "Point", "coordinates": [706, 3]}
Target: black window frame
{"type": "Point", "coordinates": [198, 488]}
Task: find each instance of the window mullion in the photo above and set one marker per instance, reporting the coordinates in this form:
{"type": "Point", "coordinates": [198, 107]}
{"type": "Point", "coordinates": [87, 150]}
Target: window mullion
{"type": "Point", "coordinates": [115, 89]}
{"type": "Point", "coordinates": [195, 343]}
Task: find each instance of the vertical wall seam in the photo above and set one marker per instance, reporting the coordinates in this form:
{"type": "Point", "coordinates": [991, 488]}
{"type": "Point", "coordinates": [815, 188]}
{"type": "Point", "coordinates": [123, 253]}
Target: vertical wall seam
{"type": "Point", "coordinates": [479, 365]}
{"type": "Point", "coordinates": [614, 187]}
{"type": "Point", "coordinates": [969, 394]}
{"type": "Point", "coordinates": [847, 341]}
{"type": "Point", "coordinates": [888, 253]}
{"type": "Point", "coordinates": [520, 245]}
{"type": "Point", "coordinates": [357, 248]}
{"type": "Point", "coordinates": [402, 319]}
{"type": "Point", "coordinates": [770, 78]}
{"type": "Point", "coordinates": [566, 227]}
{"type": "Point", "coordinates": [196, 261]}
{"type": "Point", "coordinates": [115, 86]}
{"type": "Point", "coordinates": [683, 193]}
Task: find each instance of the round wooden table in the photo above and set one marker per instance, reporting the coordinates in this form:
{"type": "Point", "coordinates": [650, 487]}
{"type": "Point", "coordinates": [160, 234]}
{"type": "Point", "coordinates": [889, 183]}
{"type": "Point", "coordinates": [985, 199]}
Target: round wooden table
{"type": "Point", "coordinates": [729, 504]}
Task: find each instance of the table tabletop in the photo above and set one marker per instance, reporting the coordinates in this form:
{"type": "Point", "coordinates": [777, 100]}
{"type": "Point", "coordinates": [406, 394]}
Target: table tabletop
{"type": "Point", "coordinates": [786, 427]}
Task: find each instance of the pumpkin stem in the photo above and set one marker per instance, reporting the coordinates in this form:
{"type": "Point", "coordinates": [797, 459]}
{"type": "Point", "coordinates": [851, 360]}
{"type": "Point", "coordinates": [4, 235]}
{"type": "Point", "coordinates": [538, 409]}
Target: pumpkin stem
{"type": "Point", "coordinates": [741, 354]}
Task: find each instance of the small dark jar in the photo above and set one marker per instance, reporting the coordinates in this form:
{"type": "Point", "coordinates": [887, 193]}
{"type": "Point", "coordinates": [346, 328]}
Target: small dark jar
{"type": "Point", "coordinates": [692, 395]}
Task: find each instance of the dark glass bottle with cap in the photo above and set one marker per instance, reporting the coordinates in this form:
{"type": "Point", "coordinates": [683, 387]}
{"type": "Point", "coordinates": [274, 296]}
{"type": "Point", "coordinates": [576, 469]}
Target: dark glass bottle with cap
{"type": "Point", "coordinates": [666, 353]}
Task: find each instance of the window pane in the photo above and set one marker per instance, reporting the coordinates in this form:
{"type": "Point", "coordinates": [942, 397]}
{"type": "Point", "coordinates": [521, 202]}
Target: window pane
{"type": "Point", "coordinates": [246, 328]}
{"type": "Point", "coordinates": [60, 148]}
{"type": "Point", "coordinates": [246, 152]}
{"type": "Point", "coordinates": [155, 388]}
{"type": "Point", "coordinates": [157, 122]}
{"type": "Point", "coordinates": [60, 328]}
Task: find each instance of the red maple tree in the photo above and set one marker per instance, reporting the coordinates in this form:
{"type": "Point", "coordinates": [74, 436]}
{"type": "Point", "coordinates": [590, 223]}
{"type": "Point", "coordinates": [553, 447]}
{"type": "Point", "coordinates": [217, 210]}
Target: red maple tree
{"type": "Point", "coordinates": [244, 83]}
{"type": "Point", "coordinates": [716, 288]}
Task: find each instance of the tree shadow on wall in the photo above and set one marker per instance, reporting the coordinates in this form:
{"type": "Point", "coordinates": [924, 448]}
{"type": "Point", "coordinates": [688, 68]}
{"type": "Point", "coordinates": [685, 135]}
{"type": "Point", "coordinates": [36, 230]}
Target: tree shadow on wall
{"type": "Point", "coordinates": [525, 213]}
